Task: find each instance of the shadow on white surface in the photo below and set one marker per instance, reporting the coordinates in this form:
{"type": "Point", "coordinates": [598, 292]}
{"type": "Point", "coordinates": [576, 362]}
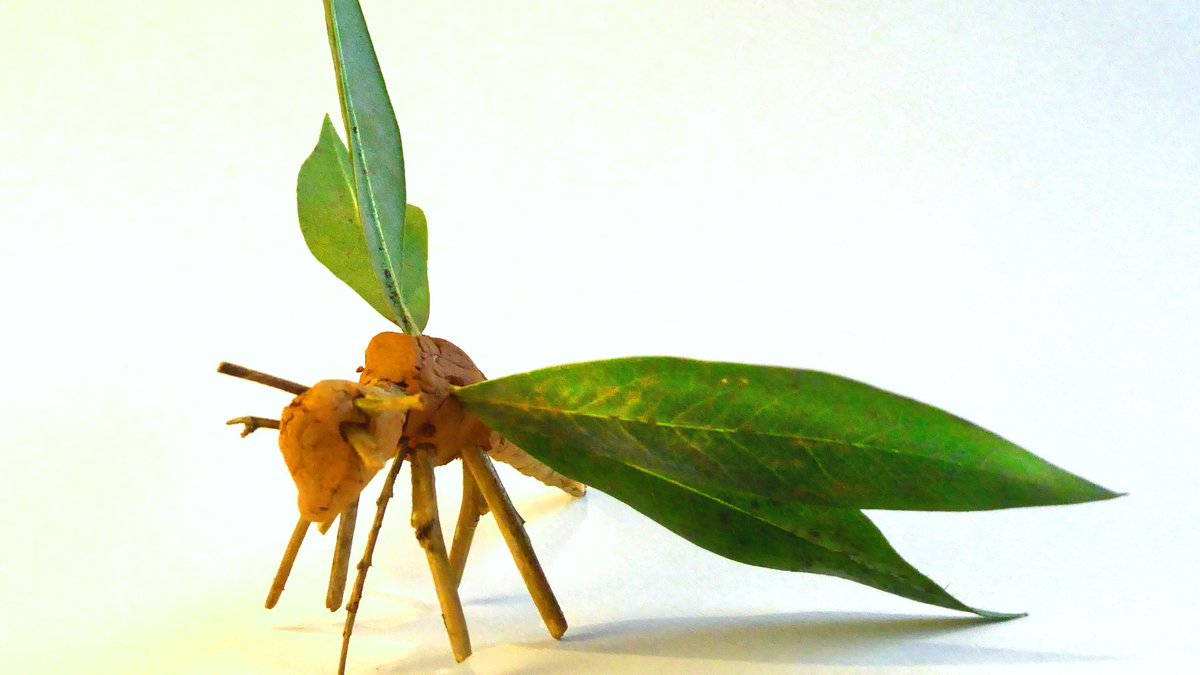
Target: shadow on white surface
{"type": "Point", "coordinates": [844, 642]}
{"type": "Point", "coordinates": [850, 639]}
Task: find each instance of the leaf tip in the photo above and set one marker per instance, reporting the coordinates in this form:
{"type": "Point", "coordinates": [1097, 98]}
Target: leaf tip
{"type": "Point", "coordinates": [1100, 494]}
{"type": "Point", "coordinates": [1074, 489]}
{"type": "Point", "coordinates": [996, 616]}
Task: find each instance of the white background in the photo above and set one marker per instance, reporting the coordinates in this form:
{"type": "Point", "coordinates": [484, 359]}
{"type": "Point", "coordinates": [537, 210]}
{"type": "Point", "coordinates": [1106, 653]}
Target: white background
{"type": "Point", "coordinates": [991, 208]}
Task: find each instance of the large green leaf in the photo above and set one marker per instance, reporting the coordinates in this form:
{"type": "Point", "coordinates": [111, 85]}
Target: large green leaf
{"type": "Point", "coordinates": [768, 433]}
{"type": "Point", "coordinates": [329, 218]}
{"type": "Point", "coordinates": [397, 248]}
{"type": "Point", "coordinates": [779, 535]}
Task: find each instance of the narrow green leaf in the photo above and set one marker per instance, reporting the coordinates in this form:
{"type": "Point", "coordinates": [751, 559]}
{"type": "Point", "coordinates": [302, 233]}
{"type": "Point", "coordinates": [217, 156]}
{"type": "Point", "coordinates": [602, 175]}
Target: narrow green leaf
{"type": "Point", "coordinates": [769, 433]}
{"type": "Point", "coordinates": [396, 247]}
{"type": "Point", "coordinates": [784, 536]}
{"type": "Point", "coordinates": [329, 219]}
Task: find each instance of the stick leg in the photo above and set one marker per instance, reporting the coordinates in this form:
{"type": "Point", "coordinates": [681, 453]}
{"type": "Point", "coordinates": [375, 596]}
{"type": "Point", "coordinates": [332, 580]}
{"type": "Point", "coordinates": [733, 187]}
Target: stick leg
{"type": "Point", "coordinates": [517, 539]}
{"type": "Point", "coordinates": [285, 565]}
{"type": "Point", "coordinates": [341, 557]}
{"type": "Point", "coordinates": [429, 534]}
{"type": "Point", "coordinates": [363, 565]}
{"type": "Point", "coordinates": [473, 506]}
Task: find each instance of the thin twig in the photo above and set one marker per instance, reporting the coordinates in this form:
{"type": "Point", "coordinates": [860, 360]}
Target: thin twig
{"type": "Point", "coordinates": [341, 557]}
{"type": "Point", "coordinates": [429, 534]}
{"type": "Point", "coordinates": [234, 370]}
{"type": "Point", "coordinates": [517, 539]}
{"type": "Point", "coordinates": [254, 424]}
{"type": "Point", "coordinates": [365, 564]}
{"type": "Point", "coordinates": [473, 506]}
{"type": "Point", "coordinates": [285, 565]}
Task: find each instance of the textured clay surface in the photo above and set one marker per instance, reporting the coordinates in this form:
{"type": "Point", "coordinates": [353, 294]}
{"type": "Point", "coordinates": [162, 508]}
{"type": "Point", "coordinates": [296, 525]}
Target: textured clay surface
{"type": "Point", "coordinates": [429, 366]}
{"type": "Point", "coordinates": [328, 471]}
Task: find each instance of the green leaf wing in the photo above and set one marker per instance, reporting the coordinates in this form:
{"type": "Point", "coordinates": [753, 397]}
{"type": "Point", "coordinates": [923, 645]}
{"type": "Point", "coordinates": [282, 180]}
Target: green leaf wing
{"type": "Point", "coordinates": [396, 247]}
{"type": "Point", "coordinates": [329, 219]}
{"type": "Point", "coordinates": [768, 433]}
{"type": "Point", "coordinates": [784, 536]}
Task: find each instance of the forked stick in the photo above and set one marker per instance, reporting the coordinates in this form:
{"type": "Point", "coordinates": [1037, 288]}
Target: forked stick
{"type": "Point", "coordinates": [285, 565]}
{"type": "Point", "coordinates": [429, 533]}
{"type": "Point", "coordinates": [254, 424]}
{"type": "Point", "coordinates": [341, 557]}
{"type": "Point", "coordinates": [363, 565]}
{"type": "Point", "coordinates": [473, 506]}
{"type": "Point", "coordinates": [517, 539]}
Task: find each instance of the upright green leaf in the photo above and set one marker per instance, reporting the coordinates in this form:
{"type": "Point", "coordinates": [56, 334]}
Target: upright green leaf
{"type": "Point", "coordinates": [396, 247]}
{"type": "Point", "coordinates": [768, 433]}
{"type": "Point", "coordinates": [778, 535]}
{"type": "Point", "coordinates": [329, 219]}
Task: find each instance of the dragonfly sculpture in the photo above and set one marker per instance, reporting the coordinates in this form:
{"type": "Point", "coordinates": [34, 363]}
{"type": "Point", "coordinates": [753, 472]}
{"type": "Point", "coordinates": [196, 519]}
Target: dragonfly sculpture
{"type": "Point", "coordinates": [763, 465]}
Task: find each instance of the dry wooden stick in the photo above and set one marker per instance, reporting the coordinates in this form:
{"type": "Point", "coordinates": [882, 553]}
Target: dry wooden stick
{"type": "Point", "coordinates": [473, 506]}
{"type": "Point", "coordinates": [341, 557]}
{"type": "Point", "coordinates": [285, 565]}
{"type": "Point", "coordinates": [510, 454]}
{"type": "Point", "coordinates": [363, 565]}
{"type": "Point", "coordinates": [254, 424]}
{"type": "Point", "coordinates": [234, 370]}
{"type": "Point", "coordinates": [517, 539]}
{"type": "Point", "coordinates": [429, 533]}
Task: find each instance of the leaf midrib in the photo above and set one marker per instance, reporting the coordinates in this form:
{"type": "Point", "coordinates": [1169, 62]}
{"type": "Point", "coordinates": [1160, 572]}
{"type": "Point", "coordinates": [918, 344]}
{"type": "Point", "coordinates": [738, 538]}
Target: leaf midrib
{"type": "Point", "coordinates": [765, 434]}
{"type": "Point", "coordinates": [408, 322]}
{"type": "Point", "coordinates": [406, 317]}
